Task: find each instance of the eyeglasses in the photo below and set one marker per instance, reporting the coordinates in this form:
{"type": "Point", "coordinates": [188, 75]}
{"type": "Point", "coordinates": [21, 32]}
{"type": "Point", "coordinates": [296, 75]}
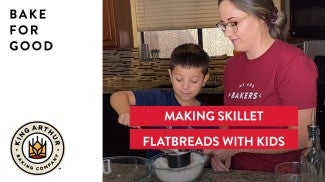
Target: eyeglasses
{"type": "Point", "coordinates": [232, 25]}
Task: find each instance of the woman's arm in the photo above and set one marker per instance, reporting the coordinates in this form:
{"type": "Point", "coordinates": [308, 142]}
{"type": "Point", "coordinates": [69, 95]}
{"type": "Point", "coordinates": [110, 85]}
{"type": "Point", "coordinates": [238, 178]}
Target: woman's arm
{"type": "Point", "coordinates": [304, 119]}
{"type": "Point", "coordinates": [221, 159]}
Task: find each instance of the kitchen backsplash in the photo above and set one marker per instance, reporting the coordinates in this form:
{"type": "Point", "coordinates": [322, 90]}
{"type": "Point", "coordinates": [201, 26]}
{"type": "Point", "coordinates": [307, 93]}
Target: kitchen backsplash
{"type": "Point", "coordinates": [123, 67]}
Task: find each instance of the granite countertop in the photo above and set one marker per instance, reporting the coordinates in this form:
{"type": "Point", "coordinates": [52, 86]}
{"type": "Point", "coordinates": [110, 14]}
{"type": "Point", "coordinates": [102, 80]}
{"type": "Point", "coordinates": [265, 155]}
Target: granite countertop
{"type": "Point", "coordinates": [208, 175]}
{"type": "Point", "coordinates": [121, 172]}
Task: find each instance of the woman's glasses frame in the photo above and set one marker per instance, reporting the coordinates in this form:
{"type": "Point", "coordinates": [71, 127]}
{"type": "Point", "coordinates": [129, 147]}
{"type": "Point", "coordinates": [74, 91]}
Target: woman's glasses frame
{"type": "Point", "coordinates": [231, 25]}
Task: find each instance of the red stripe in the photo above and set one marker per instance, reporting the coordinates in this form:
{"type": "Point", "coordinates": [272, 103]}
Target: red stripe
{"type": "Point", "coordinates": [213, 139]}
{"type": "Point", "coordinates": [214, 116]}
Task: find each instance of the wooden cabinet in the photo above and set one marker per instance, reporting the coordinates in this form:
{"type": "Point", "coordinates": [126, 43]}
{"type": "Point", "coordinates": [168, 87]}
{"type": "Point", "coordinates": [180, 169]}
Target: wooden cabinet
{"type": "Point", "coordinates": [279, 4]}
{"type": "Point", "coordinates": [109, 25]}
{"type": "Point", "coordinates": [117, 24]}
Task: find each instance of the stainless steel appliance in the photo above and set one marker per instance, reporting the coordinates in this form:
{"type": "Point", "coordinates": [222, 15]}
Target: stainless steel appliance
{"type": "Point", "coordinates": [320, 115]}
{"type": "Point", "coordinates": [315, 49]}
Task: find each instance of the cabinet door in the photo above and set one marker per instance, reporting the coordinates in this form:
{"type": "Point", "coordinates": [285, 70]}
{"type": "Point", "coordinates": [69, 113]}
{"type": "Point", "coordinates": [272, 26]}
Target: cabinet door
{"type": "Point", "coordinates": [117, 24]}
{"type": "Point", "coordinates": [109, 25]}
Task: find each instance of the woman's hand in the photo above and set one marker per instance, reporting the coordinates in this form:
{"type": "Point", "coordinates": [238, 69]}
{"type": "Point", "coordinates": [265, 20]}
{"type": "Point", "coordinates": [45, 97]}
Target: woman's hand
{"type": "Point", "coordinates": [221, 160]}
{"type": "Point", "coordinates": [220, 165]}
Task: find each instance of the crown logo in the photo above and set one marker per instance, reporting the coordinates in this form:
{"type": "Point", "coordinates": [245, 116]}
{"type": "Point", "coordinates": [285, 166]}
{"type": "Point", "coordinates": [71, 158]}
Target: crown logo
{"type": "Point", "coordinates": [37, 150]}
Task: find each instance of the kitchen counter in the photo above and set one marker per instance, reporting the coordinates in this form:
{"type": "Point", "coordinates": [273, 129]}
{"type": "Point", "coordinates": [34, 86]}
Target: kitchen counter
{"type": "Point", "coordinates": [208, 175]}
{"type": "Point", "coordinates": [122, 172]}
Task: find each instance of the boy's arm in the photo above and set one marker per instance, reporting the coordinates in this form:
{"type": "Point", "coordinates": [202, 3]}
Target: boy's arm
{"type": "Point", "coordinates": [121, 101]}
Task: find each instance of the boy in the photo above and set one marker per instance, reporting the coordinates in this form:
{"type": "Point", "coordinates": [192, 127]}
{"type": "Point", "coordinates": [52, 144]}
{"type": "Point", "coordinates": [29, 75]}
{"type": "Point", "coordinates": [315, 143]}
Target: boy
{"type": "Point", "coordinates": [188, 74]}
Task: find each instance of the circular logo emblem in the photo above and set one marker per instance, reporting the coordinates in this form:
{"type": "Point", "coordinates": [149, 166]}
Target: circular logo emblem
{"type": "Point", "coordinates": [37, 148]}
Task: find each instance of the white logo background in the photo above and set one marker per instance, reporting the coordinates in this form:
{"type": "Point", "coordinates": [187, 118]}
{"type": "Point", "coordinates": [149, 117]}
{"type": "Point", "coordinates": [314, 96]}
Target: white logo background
{"type": "Point", "coordinates": [32, 132]}
{"type": "Point", "coordinates": [62, 86]}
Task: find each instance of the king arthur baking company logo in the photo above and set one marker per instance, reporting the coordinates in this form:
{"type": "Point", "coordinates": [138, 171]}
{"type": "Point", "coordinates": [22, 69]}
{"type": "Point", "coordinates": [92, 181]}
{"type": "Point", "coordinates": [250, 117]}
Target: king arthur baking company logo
{"type": "Point", "coordinates": [37, 148]}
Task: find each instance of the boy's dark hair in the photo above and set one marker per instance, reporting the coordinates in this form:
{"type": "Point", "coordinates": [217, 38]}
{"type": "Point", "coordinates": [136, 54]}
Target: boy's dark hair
{"type": "Point", "coordinates": [190, 56]}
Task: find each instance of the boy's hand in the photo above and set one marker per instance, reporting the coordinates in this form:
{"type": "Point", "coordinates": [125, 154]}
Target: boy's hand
{"type": "Point", "coordinates": [124, 119]}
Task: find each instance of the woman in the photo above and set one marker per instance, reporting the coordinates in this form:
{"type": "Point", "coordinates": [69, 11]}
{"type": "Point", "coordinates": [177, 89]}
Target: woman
{"type": "Point", "coordinates": [267, 70]}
